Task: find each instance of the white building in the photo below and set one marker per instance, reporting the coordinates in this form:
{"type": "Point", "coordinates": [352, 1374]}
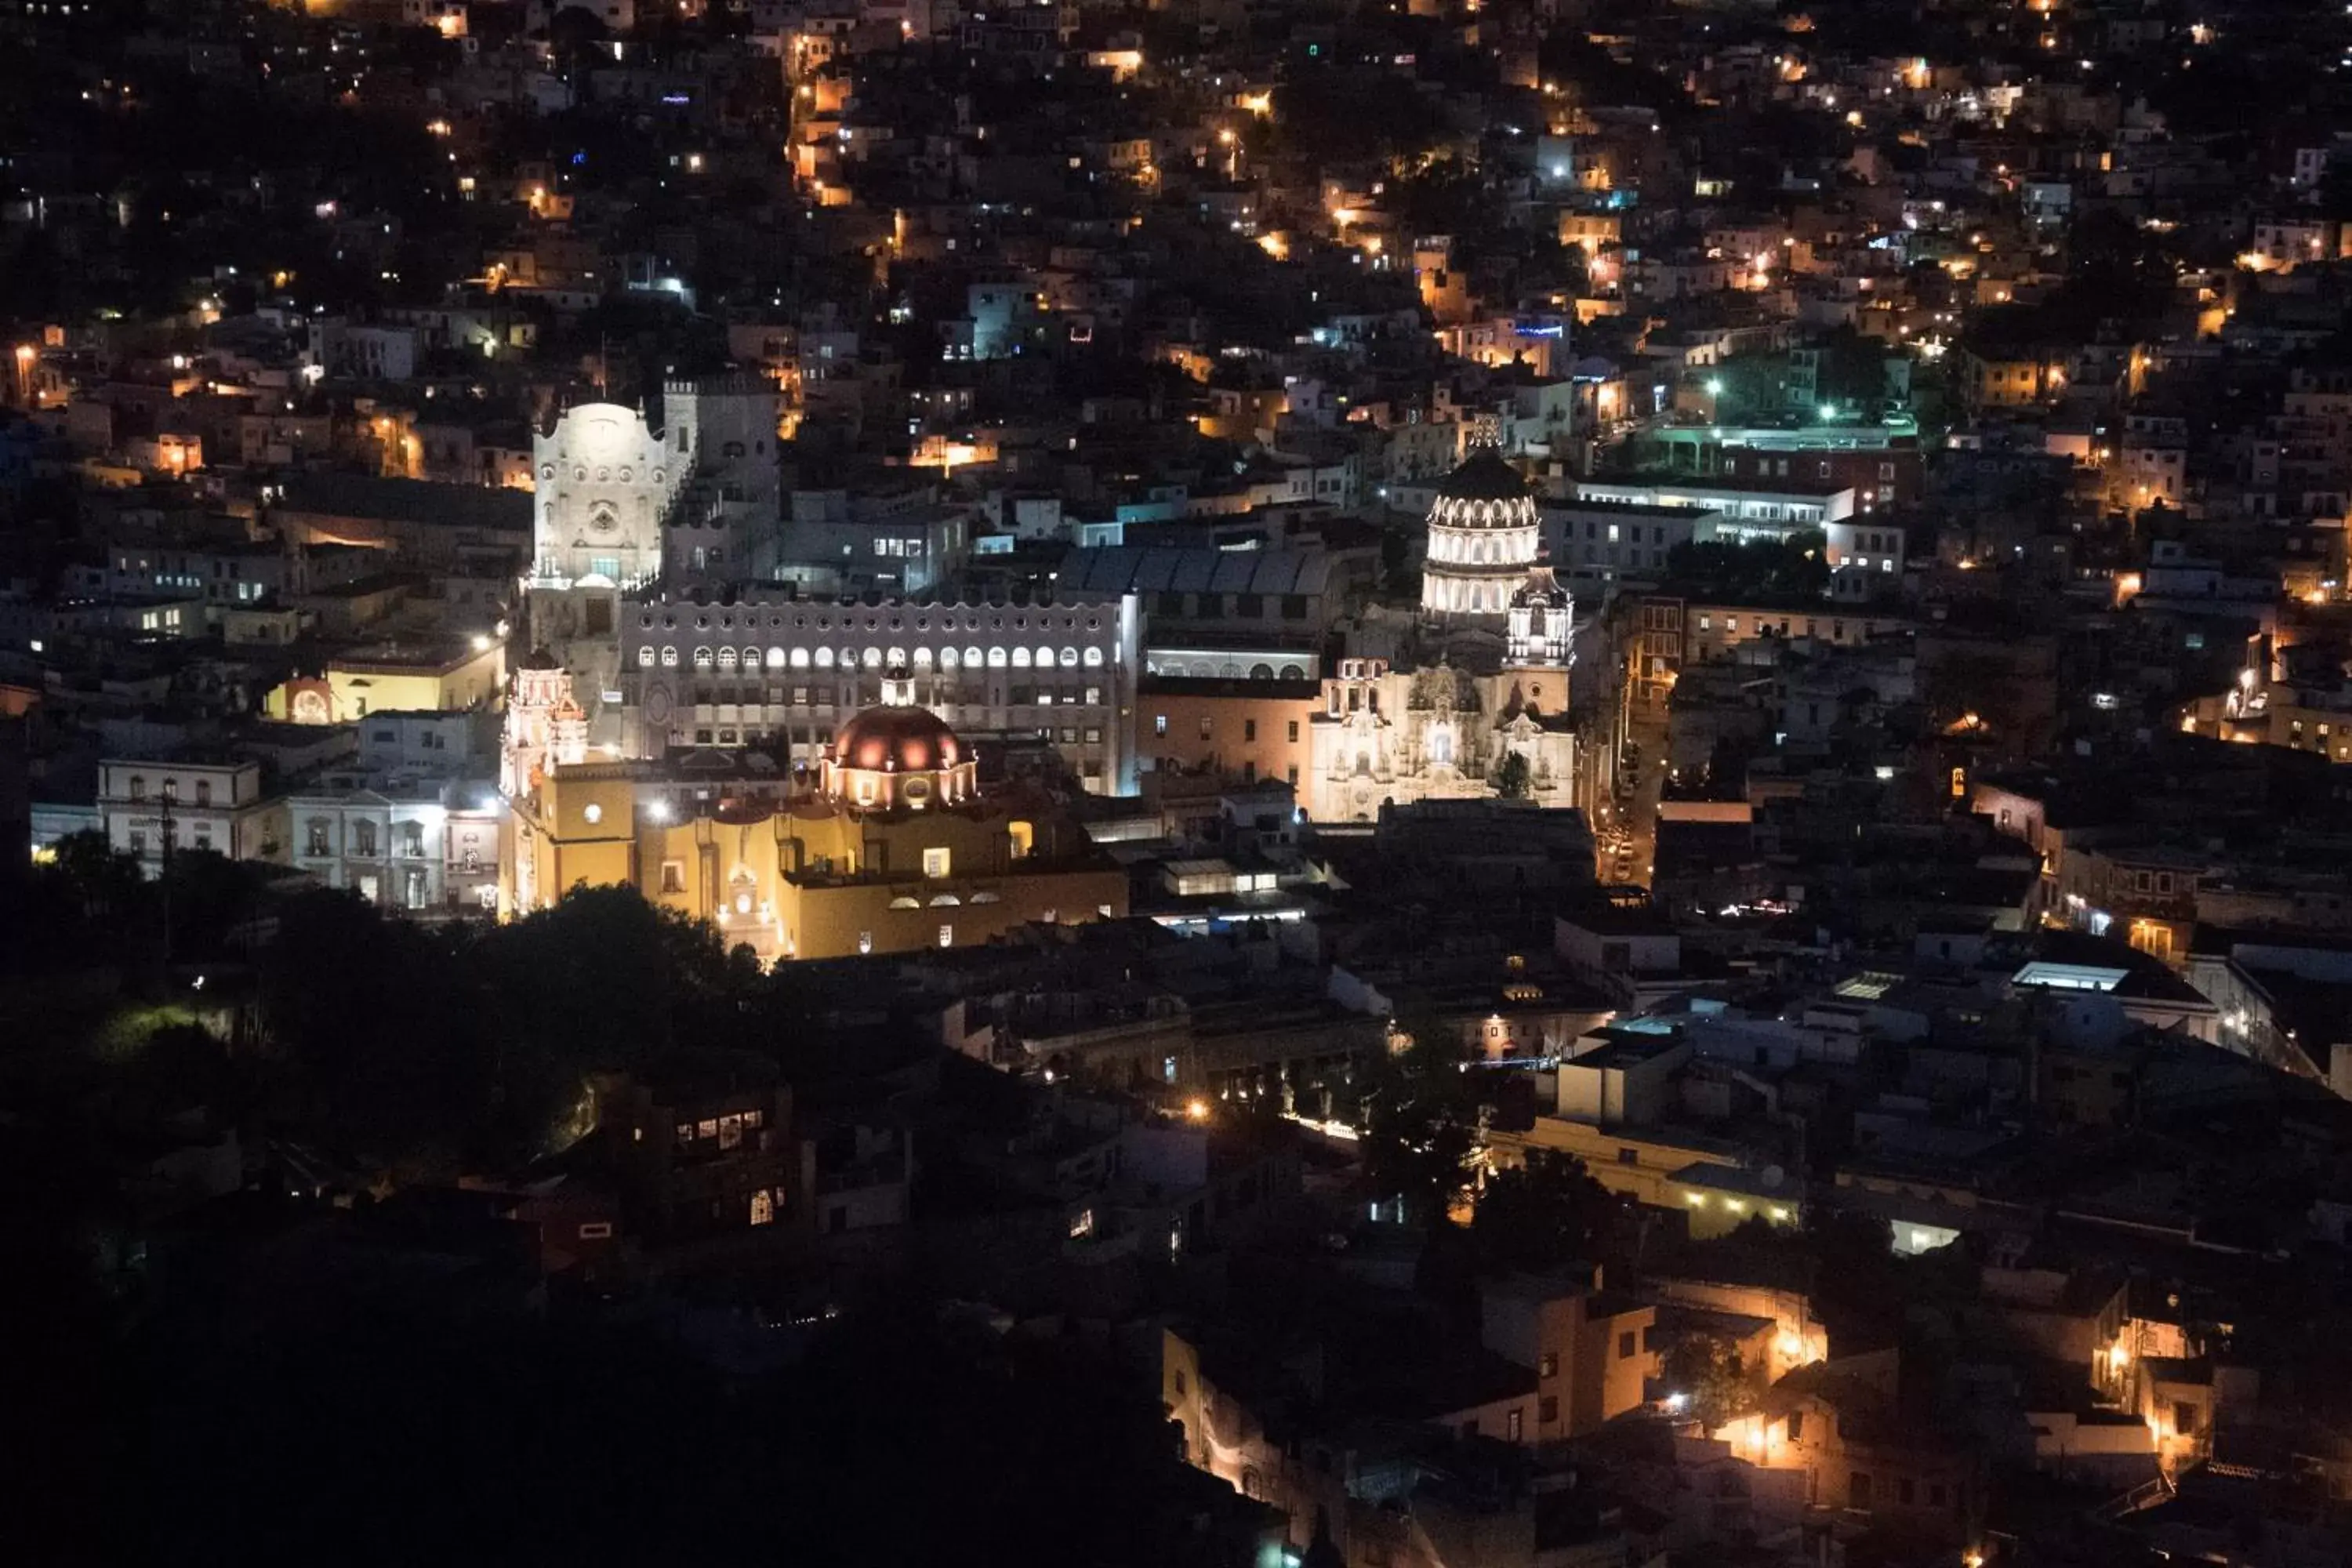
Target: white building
{"type": "Point", "coordinates": [1744, 513]}
{"type": "Point", "coordinates": [421, 847]}
{"type": "Point", "coordinates": [767, 663]}
{"type": "Point", "coordinates": [1866, 544]}
{"type": "Point", "coordinates": [147, 805]}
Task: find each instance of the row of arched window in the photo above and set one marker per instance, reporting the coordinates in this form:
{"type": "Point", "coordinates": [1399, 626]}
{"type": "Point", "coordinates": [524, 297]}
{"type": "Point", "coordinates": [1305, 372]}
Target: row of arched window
{"type": "Point", "coordinates": [824, 622]}
{"type": "Point", "coordinates": [974, 658]}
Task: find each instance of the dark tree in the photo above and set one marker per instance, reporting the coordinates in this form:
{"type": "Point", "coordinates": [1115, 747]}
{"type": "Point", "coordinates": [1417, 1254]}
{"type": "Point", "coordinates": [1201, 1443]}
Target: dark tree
{"type": "Point", "coordinates": [1542, 1215]}
{"type": "Point", "coordinates": [1513, 779]}
{"type": "Point", "coordinates": [1421, 1121]}
{"type": "Point", "coordinates": [1706, 1372]}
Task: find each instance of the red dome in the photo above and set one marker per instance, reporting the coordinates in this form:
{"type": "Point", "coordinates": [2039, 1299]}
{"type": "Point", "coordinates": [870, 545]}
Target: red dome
{"type": "Point", "coordinates": [896, 739]}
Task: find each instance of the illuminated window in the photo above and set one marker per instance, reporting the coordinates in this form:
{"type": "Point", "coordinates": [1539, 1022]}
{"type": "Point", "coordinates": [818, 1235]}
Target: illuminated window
{"type": "Point", "coordinates": [936, 862]}
{"type": "Point", "coordinates": [947, 936]}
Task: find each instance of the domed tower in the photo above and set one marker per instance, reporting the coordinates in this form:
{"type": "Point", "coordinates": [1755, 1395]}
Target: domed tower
{"type": "Point", "coordinates": [544, 726]}
{"type": "Point", "coordinates": [1542, 615]}
{"type": "Point", "coordinates": [898, 754]}
{"type": "Point", "coordinates": [1483, 532]}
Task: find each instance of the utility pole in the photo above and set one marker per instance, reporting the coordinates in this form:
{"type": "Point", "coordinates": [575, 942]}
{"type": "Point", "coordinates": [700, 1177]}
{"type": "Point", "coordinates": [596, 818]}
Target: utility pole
{"type": "Point", "coordinates": [168, 827]}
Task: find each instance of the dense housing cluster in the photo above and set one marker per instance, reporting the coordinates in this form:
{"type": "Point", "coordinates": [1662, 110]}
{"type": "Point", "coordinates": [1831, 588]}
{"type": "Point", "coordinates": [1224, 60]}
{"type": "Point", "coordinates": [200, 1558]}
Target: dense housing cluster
{"type": "Point", "coordinates": [1391, 784]}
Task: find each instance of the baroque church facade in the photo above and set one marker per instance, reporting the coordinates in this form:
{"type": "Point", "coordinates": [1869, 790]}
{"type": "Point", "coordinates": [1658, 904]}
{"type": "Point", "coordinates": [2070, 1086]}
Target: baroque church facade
{"type": "Point", "coordinates": [1485, 707]}
{"type": "Point", "coordinates": [621, 504]}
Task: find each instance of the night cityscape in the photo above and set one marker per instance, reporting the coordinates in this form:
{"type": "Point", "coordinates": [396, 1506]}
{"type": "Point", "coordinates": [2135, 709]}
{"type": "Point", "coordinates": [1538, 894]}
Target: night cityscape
{"type": "Point", "coordinates": [1176, 783]}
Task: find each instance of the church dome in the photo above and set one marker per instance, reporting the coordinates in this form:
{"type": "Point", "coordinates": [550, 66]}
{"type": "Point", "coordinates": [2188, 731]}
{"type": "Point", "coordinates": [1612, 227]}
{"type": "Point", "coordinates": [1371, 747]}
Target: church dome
{"type": "Point", "coordinates": [1484, 476]}
{"type": "Point", "coordinates": [899, 755]}
{"type": "Point", "coordinates": [897, 737]}
{"type": "Point", "coordinates": [1485, 533]}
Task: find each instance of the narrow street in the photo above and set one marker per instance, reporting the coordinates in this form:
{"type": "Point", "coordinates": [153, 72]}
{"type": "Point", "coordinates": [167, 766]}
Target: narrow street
{"type": "Point", "coordinates": [1629, 770]}
{"type": "Point", "coordinates": [1631, 833]}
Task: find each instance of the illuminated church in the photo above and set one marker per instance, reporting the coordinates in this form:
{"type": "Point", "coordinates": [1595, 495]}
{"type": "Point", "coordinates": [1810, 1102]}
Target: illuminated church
{"type": "Point", "coordinates": [891, 845]}
{"type": "Point", "coordinates": [1494, 681]}
{"type": "Point", "coordinates": [620, 503]}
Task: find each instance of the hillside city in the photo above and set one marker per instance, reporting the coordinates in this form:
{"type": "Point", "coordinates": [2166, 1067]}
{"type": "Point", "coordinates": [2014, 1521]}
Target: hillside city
{"type": "Point", "coordinates": [1357, 784]}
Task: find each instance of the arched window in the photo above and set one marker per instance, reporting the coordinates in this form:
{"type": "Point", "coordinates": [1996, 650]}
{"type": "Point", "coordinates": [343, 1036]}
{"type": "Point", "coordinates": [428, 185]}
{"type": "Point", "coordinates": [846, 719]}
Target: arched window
{"type": "Point", "coordinates": [669, 657]}
{"type": "Point", "coordinates": [646, 656]}
{"type": "Point", "coordinates": [702, 659]}
{"type": "Point", "coordinates": [974, 659]}
{"type": "Point", "coordinates": [1069, 659]}
{"type": "Point", "coordinates": [824, 658]}
{"type": "Point", "coordinates": [776, 658]}
{"type": "Point", "coordinates": [800, 658]}
{"type": "Point", "coordinates": [1020, 658]}
{"type": "Point", "coordinates": [922, 659]}
{"type": "Point", "coordinates": [726, 658]}
{"type": "Point", "coordinates": [751, 658]}
{"type": "Point", "coordinates": [894, 657]}
{"type": "Point", "coordinates": [873, 658]}
{"type": "Point", "coordinates": [996, 658]}
{"type": "Point", "coordinates": [950, 658]}
{"type": "Point", "coordinates": [1094, 659]}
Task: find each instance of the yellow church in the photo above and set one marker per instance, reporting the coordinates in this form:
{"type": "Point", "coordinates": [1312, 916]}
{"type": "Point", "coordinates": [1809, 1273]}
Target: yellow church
{"type": "Point", "coordinates": [891, 847]}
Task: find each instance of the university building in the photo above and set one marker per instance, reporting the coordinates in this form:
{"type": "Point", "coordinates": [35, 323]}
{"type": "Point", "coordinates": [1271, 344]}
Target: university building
{"type": "Point", "coordinates": [767, 663]}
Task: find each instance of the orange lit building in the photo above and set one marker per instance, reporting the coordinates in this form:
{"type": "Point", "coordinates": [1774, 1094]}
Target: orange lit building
{"type": "Point", "coordinates": [1249, 729]}
{"type": "Point", "coordinates": [893, 848]}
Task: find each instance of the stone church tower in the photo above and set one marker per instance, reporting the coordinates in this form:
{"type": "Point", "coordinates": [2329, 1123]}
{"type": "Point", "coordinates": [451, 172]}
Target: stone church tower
{"type": "Point", "coordinates": [621, 505]}
{"type": "Point", "coordinates": [544, 726]}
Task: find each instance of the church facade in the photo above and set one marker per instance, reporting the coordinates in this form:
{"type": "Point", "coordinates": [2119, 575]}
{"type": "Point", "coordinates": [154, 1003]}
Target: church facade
{"type": "Point", "coordinates": [1488, 713]}
{"type": "Point", "coordinates": [619, 504]}
{"type": "Point", "coordinates": [1387, 736]}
